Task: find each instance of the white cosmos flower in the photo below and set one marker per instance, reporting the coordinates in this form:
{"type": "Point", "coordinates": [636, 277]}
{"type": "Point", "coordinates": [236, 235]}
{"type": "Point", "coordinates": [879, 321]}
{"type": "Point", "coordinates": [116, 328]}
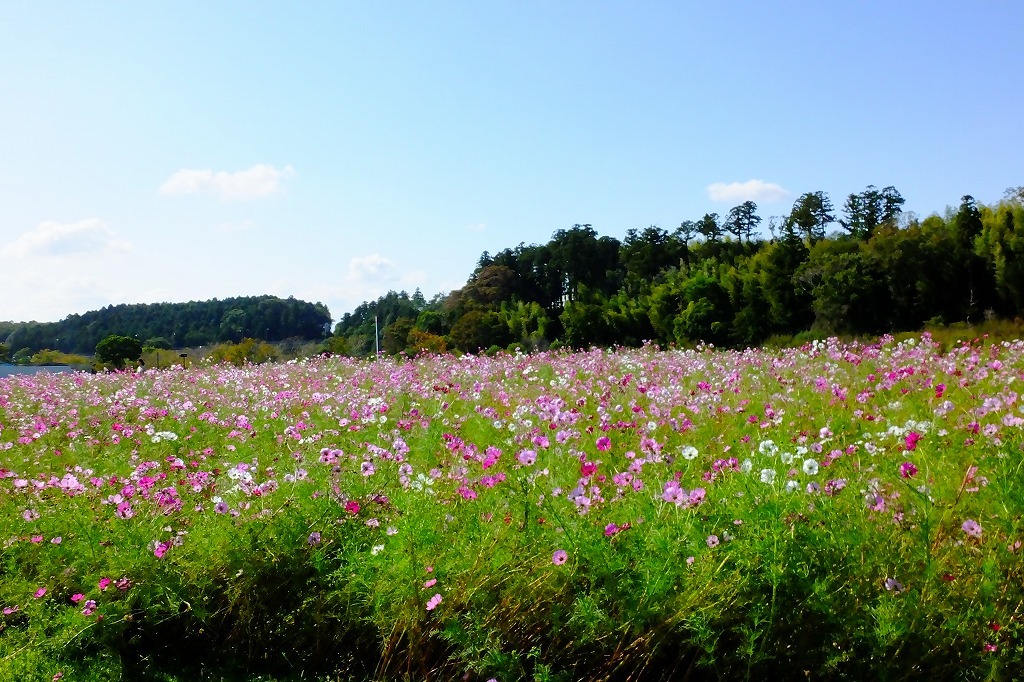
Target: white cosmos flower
{"type": "Point", "coordinates": [768, 476]}
{"type": "Point", "coordinates": [688, 452]}
{"type": "Point", "coordinates": [810, 467]}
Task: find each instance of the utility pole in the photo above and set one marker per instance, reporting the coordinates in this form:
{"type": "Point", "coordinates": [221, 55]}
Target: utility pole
{"type": "Point", "coordinates": [376, 337]}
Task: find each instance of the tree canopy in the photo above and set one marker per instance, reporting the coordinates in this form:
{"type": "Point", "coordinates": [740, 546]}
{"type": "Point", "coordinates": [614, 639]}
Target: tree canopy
{"type": "Point", "coordinates": [722, 281]}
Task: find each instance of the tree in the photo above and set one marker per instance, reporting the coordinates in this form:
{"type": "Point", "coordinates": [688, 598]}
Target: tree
{"type": "Point", "coordinates": [117, 350]}
{"type": "Point", "coordinates": [157, 343]}
{"type": "Point", "coordinates": [646, 254]}
{"type": "Point", "coordinates": [743, 220]}
{"type": "Point", "coordinates": [581, 258]}
{"type": "Point", "coordinates": [709, 228]}
{"type": "Point", "coordinates": [5, 353]}
{"type": "Point", "coordinates": [395, 336]}
{"type": "Point", "coordinates": [1014, 194]}
{"type": "Point", "coordinates": [812, 213]}
{"type": "Point", "coordinates": [869, 209]}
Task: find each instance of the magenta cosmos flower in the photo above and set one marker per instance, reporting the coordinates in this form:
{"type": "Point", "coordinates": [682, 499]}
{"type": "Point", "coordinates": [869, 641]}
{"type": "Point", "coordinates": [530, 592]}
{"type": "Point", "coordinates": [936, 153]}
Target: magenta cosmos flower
{"type": "Point", "coordinates": [907, 469]}
{"type": "Point", "coordinates": [559, 557]}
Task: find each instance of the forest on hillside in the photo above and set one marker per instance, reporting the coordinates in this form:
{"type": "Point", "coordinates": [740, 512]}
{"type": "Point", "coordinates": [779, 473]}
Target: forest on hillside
{"type": "Point", "coordinates": [174, 325]}
{"type": "Point", "coordinates": [865, 269]}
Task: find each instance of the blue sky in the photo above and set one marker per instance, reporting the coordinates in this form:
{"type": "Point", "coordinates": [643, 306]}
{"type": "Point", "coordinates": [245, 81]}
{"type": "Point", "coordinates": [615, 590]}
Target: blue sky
{"type": "Point", "coordinates": [332, 151]}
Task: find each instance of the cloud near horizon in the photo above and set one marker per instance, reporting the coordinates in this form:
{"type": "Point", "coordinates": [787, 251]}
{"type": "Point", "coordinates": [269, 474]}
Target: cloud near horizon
{"type": "Point", "coordinates": [258, 181]}
{"type": "Point", "coordinates": [61, 239]}
{"type": "Point", "coordinates": [751, 190]}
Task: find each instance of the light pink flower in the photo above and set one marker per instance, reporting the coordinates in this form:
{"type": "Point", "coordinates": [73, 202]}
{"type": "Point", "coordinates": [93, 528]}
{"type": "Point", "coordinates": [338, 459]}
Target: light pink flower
{"type": "Point", "coordinates": [972, 528]}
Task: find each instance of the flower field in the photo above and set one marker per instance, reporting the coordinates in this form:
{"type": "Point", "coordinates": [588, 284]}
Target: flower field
{"type": "Point", "coordinates": [836, 511]}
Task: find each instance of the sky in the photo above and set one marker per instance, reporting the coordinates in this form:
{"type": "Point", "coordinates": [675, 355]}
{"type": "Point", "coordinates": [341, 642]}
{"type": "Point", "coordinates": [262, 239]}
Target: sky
{"type": "Point", "coordinates": [332, 151]}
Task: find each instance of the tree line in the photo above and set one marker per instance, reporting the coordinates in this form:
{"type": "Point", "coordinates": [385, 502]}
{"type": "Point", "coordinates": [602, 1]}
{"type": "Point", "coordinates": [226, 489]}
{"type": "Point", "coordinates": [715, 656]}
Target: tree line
{"type": "Point", "coordinates": [173, 325]}
{"type": "Point", "coordinates": [866, 268]}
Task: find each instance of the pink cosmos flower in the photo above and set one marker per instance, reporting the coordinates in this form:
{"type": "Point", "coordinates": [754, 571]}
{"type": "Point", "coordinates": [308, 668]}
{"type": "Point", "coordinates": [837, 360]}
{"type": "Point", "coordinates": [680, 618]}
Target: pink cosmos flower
{"type": "Point", "coordinates": [527, 457]}
{"type": "Point", "coordinates": [104, 584]}
{"type": "Point", "coordinates": [77, 597]}
{"type": "Point", "coordinates": [433, 602]}
{"type": "Point", "coordinates": [39, 593]}
{"type": "Point", "coordinates": [907, 470]}
{"type": "Point", "coordinates": [430, 583]}
{"type": "Point", "coordinates": [712, 541]}
{"type": "Point", "coordinates": [559, 557]}
{"type": "Point", "coordinates": [972, 528]}
{"type": "Point", "coordinates": [352, 507]}
{"type": "Point", "coordinates": [604, 443]}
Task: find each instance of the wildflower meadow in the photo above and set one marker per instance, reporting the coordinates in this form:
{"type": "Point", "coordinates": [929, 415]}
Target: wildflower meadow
{"type": "Point", "coordinates": [837, 511]}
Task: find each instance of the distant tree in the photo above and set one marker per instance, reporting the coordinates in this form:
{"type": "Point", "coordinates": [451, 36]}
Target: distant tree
{"type": "Point", "coordinates": [420, 342]}
{"type": "Point", "coordinates": [742, 221]}
{"type": "Point", "coordinates": [5, 353]}
{"type": "Point", "coordinates": [812, 213]}
{"type": "Point", "coordinates": [686, 231]}
{"type": "Point", "coordinates": [491, 285]}
{"type": "Point", "coordinates": [395, 336]}
{"type": "Point", "coordinates": [117, 350]}
{"type": "Point", "coordinates": [709, 228]}
{"type": "Point", "coordinates": [247, 351]}
{"type": "Point", "coordinates": [337, 345]}
{"type": "Point", "coordinates": [478, 330]}
{"type": "Point", "coordinates": [157, 343]}
{"type": "Point", "coordinates": [232, 325]}
{"type": "Point", "coordinates": [869, 209]}
{"type": "Point", "coordinates": [55, 357]}
{"type": "Point", "coordinates": [581, 258]}
{"type": "Point", "coordinates": [646, 254]}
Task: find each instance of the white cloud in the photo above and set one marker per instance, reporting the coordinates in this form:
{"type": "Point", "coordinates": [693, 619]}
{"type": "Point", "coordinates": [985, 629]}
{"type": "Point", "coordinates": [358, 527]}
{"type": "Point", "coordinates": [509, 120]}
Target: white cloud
{"type": "Point", "coordinates": [62, 239]}
{"type": "Point", "coordinates": [252, 183]}
{"type": "Point", "coordinates": [751, 190]}
{"type": "Point", "coordinates": [372, 269]}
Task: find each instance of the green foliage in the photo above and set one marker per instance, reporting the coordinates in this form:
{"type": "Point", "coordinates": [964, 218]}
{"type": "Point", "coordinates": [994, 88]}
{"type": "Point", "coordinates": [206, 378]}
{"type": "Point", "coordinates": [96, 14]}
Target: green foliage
{"type": "Point", "coordinates": [5, 353]}
{"type": "Point", "coordinates": [182, 325]}
{"type": "Point", "coordinates": [54, 357]}
{"type": "Point", "coordinates": [245, 352]}
{"type": "Point", "coordinates": [115, 350]}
